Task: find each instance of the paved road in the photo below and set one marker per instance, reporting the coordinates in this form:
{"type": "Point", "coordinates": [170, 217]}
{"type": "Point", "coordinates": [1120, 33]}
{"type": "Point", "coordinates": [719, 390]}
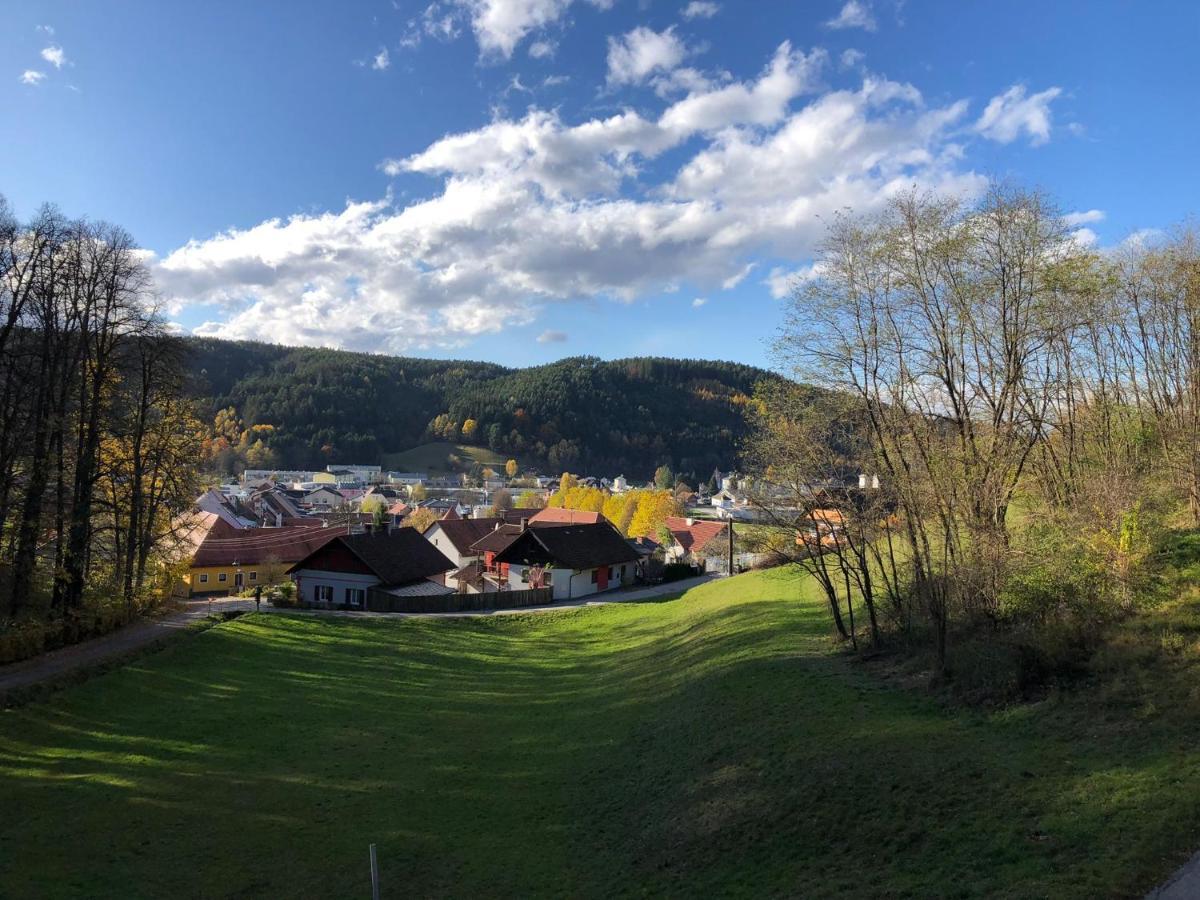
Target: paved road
{"type": "Point", "coordinates": [142, 634]}
{"type": "Point", "coordinates": [110, 646]}
{"type": "Point", "coordinates": [1183, 885]}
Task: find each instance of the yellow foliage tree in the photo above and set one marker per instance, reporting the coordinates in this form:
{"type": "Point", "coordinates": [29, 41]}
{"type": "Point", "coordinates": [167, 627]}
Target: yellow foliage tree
{"type": "Point", "coordinates": [511, 468]}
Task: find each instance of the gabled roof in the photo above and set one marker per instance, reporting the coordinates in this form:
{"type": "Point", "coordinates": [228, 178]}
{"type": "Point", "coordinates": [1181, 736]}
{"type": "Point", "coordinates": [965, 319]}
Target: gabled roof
{"type": "Point", "coordinates": [213, 501]}
{"type": "Point", "coordinates": [567, 516]}
{"type": "Point", "coordinates": [497, 539]}
{"type": "Point", "coordinates": [394, 557]}
{"type": "Point", "coordinates": [697, 535]}
{"type": "Point", "coordinates": [570, 546]}
{"type": "Point", "coordinates": [517, 513]}
{"type": "Point", "coordinates": [462, 533]}
{"type": "Point", "coordinates": [225, 545]}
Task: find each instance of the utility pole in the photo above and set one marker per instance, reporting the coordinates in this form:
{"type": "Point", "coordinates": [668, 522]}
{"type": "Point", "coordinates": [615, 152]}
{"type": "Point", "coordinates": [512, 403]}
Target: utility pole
{"type": "Point", "coordinates": [731, 545]}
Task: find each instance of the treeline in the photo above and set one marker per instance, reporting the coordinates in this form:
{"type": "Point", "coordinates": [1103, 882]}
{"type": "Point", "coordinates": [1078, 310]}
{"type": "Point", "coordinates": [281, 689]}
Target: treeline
{"type": "Point", "coordinates": [98, 443]}
{"type": "Point", "coordinates": [628, 415]}
{"type": "Point", "coordinates": [1030, 406]}
{"type": "Point", "coordinates": [636, 513]}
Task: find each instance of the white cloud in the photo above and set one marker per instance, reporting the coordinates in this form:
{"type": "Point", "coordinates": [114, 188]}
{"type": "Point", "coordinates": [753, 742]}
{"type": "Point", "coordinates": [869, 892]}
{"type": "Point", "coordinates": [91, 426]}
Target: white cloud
{"type": "Point", "coordinates": [854, 14]}
{"type": "Point", "coordinates": [552, 337]}
{"type": "Point", "coordinates": [640, 53]}
{"type": "Point", "coordinates": [1011, 114]}
{"type": "Point", "coordinates": [699, 302]}
{"type": "Point", "coordinates": [542, 49]}
{"type": "Point", "coordinates": [1083, 218]}
{"type": "Point", "coordinates": [851, 58]}
{"type": "Point", "coordinates": [54, 55]}
{"type": "Point", "coordinates": [45, 29]}
{"type": "Point", "coordinates": [700, 9]}
{"type": "Point", "coordinates": [537, 211]}
{"type": "Point", "coordinates": [381, 60]}
{"type": "Point", "coordinates": [738, 277]}
{"type": "Point", "coordinates": [32, 77]}
{"type": "Point", "coordinates": [781, 282]}
{"type": "Point", "coordinates": [498, 25]}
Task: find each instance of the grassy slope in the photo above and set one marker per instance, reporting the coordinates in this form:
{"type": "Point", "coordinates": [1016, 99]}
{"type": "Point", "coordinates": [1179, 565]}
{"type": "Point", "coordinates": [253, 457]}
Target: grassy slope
{"type": "Point", "coordinates": [706, 745]}
{"type": "Point", "coordinates": [434, 458]}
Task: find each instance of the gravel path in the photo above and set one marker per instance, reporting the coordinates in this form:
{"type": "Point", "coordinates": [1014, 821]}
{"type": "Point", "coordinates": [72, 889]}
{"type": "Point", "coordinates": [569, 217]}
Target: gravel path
{"type": "Point", "coordinates": [105, 648]}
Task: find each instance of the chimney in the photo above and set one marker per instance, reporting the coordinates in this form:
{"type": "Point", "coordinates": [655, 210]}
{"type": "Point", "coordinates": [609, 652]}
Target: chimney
{"type": "Point", "coordinates": [690, 521]}
{"type": "Point", "coordinates": [874, 482]}
{"type": "Point", "coordinates": [862, 482]}
{"type": "Point", "coordinates": [524, 524]}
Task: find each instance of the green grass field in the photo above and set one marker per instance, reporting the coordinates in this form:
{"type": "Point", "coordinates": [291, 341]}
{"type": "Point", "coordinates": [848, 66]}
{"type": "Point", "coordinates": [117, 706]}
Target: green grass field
{"type": "Point", "coordinates": [441, 458]}
{"type": "Point", "coordinates": [710, 745]}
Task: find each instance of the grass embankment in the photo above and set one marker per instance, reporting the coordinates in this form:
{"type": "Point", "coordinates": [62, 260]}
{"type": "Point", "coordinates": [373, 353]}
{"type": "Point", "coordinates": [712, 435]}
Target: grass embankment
{"type": "Point", "coordinates": [711, 745]}
{"type": "Point", "coordinates": [443, 458]}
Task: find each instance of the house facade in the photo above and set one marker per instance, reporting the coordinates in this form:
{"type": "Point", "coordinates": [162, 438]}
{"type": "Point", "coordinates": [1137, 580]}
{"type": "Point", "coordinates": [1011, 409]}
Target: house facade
{"type": "Point", "coordinates": [227, 560]}
{"type": "Point", "coordinates": [574, 561]}
{"type": "Point", "coordinates": [343, 573]}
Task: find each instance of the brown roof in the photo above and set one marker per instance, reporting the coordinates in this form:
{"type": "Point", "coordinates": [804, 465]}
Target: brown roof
{"type": "Point", "coordinates": [517, 513]}
{"type": "Point", "coordinates": [225, 545]}
{"type": "Point", "coordinates": [462, 533]}
{"type": "Point", "coordinates": [497, 539]}
{"type": "Point", "coordinates": [395, 557]}
{"type": "Point", "coordinates": [694, 536]}
{"type": "Point", "coordinates": [571, 546]}
{"type": "Point", "coordinates": [567, 516]}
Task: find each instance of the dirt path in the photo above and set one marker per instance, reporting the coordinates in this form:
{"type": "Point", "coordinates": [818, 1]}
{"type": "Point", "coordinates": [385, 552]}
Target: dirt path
{"type": "Point", "coordinates": [108, 647]}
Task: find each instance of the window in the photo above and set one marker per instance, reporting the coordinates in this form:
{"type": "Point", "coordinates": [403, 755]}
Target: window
{"type": "Point", "coordinates": [595, 576]}
{"type": "Point", "coordinates": [623, 570]}
{"type": "Point", "coordinates": [324, 593]}
{"type": "Point", "coordinates": [254, 576]}
{"type": "Point", "coordinates": [204, 578]}
{"type": "Point", "coordinates": [222, 577]}
{"type": "Point", "coordinates": [610, 573]}
{"type": "Point", "coordinates": [355, 596]}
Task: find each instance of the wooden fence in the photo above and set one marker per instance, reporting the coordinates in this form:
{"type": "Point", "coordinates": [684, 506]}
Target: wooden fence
{"type": "Point", "coordinates": [382, 601]}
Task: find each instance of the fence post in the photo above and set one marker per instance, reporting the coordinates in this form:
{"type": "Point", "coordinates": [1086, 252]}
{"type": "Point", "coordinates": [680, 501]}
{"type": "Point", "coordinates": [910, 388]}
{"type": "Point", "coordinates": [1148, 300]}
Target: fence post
{"type": "Point", "coordinates": [374, 875]}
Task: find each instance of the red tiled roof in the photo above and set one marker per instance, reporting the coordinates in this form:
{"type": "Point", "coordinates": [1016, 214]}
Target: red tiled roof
{"type": "Point", "coordinates": [567, 516]}
{"type": "Point", "coordinates": [225, 545]}
{"type": "Point", "coordinates": [693, 537]}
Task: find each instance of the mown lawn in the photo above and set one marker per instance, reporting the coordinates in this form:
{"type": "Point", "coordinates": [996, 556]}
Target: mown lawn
{"type": "Point", "coordinates": [711, 745]}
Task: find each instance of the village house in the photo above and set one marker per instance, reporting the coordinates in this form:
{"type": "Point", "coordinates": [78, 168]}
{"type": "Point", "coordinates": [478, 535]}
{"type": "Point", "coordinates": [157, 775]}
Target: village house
{"type": "Point", "coordinates": [407, 478]}
{"type": "Point", "coordinates": [326, 497]}
{"type": "Point", "coordinates": [455, 538]}
{"type": "Point", "coordinates": [228, 560]}
{"type": "Point", "coordinates": [693, 539]}
{"type": "Point", "coordinates": [573, 560]}
{"type": "Point", "coordinates": [363, 571]}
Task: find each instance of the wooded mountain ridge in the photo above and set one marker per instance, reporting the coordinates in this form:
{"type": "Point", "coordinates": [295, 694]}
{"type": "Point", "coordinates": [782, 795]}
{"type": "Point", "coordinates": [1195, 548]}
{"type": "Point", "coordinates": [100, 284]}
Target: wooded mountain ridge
{"type": "Point", "coordinates": [581, 413]}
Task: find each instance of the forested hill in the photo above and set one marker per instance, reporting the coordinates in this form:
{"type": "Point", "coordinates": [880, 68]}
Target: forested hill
{"type": "Point", "coordinates": [582, 413]}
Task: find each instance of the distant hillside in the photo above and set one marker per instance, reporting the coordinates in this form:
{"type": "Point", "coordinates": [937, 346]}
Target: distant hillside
{"type": "Point", "coordinates": [581, 413]}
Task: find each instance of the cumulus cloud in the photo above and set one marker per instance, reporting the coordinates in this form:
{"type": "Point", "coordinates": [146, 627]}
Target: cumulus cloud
{"type": "Point", "coordinates": [54, 55]}
{"type": "Point", "coordinates": [640, 53]}
{"type": "Point", "coordinates": [381, 60]}
{"type": "Point", "coordinates": [32, 77]}
{"type": "Point", "coordinates": [699, 302]}
{"type": "Point", "coordinates": [552, 337]}
{"type": "Point", "coordinates": [542, 49]}
{"type": "Point", "coordinates": [1011, 114]}
{"type": "Point", "coordinates": [700, 9]}
{"type": "Point", "coordinates": [498, 25]}
{"type": "Point", "coordinates": [535, 211]}
{"type": "Point", "coordinates": [854, 14]}
{"type": "Point", "coordinates": [1083, 218]}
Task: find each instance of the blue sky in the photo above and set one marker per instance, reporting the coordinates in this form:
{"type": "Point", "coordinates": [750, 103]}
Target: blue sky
{"type": "Point", "coordinates": [521, 180]}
